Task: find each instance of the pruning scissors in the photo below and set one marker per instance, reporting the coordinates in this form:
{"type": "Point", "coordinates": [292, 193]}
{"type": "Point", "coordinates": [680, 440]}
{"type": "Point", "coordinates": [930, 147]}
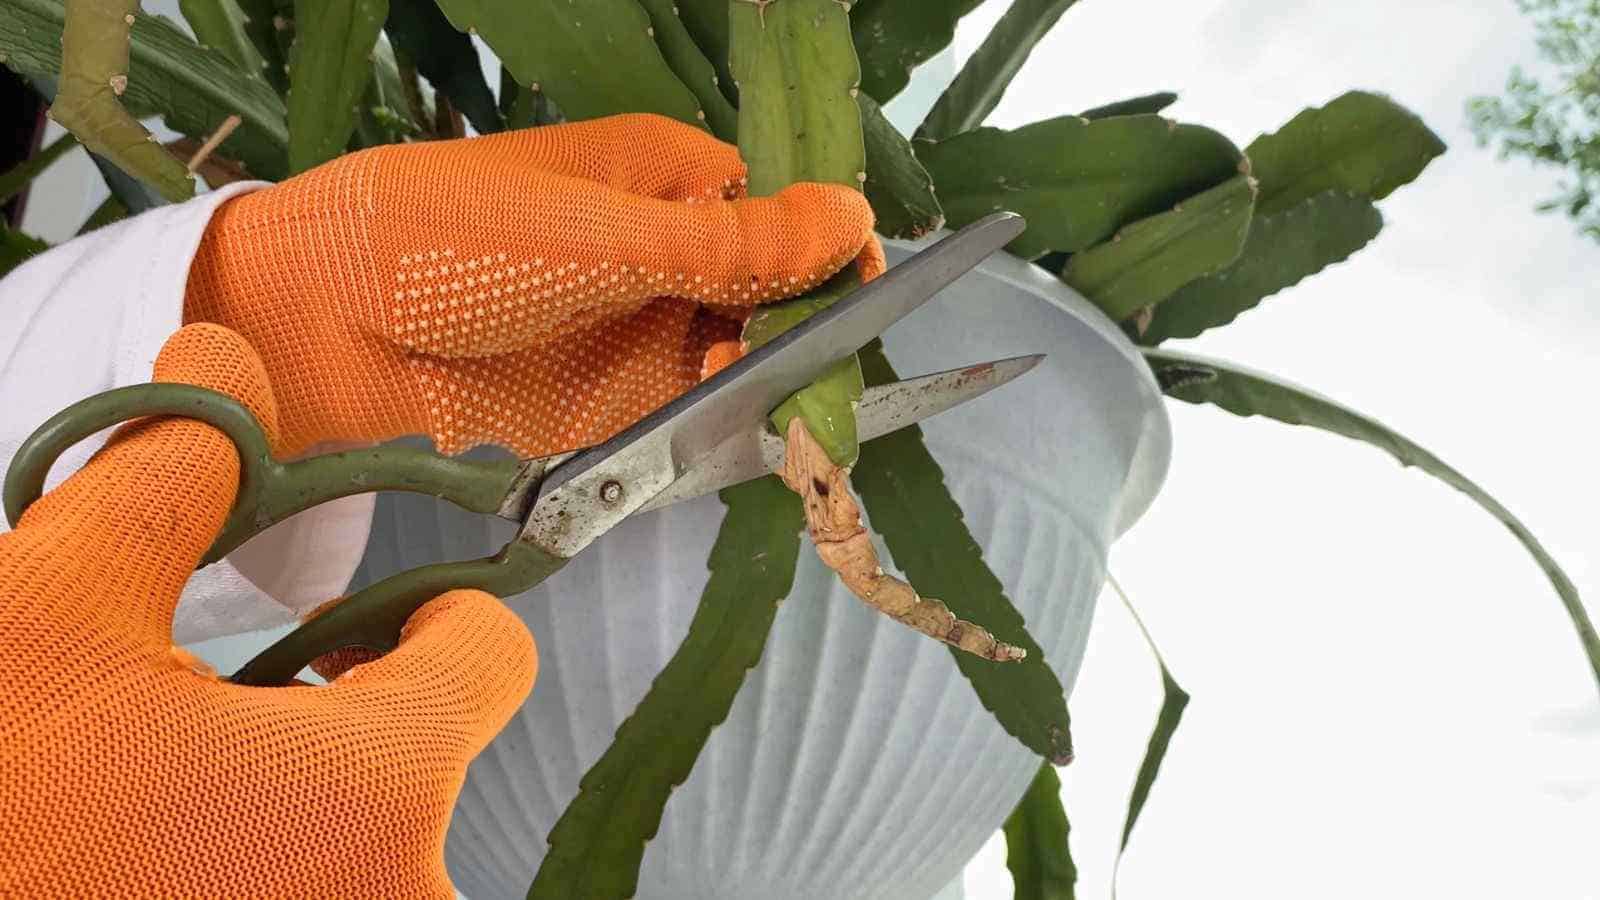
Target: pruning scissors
{"type": "Point", "coordinates": [714, 436]}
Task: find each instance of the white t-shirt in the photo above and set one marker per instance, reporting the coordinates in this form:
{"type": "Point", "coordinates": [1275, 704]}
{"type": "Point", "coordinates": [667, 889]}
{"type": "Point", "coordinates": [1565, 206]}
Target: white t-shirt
{"type": "Point", "coordinates": [91, 315]}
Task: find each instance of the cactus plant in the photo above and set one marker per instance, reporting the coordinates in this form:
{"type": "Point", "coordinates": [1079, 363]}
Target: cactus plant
{"type": "Point", "coordinates": [191, 88]}
{"type": "Point", "coordinates": [224, 27]}
{"type": "Point", "coordinates": [94, 75]}
{"type": "Point", "coordinates": [690, 64]}
{"type": "Point", "coordinates": [1036, 841]}
{"type": "Point", "coordinates": [796, 72]}
{"type": "Point", "coordinates": [573, 53]}
{"type": "Point", "coordinates": [1077, 181]}
{"type": "Point", "coordinates": [893, 37]}
{"type": "Point", "coordinates": [444, 57]}
{"type": "Point", "coordinates": [1144, 263]}
{"type": "Point", "coordinates": [328, 71]}
{"type": "Point", "coordinates": [977, 88]}
{"type": "Point", "coordinates": [596, 847]}
{"type": "Point", "coordinates": [1168, 227]}
{"type": "Point", "coordinates": [1278, 252]}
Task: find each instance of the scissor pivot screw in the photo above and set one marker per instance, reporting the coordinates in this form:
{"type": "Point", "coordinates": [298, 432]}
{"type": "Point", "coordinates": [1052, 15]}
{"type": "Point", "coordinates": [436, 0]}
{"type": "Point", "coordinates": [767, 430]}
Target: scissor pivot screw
{"type": "Point", "coordinates": [611, 492]}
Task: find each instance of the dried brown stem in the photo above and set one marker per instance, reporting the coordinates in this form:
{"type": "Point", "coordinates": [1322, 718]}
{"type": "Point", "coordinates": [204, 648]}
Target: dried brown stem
{"type": "Point", "coordinates": [834, 521]}
{"type": "Point", "coordinates": [202, 160]}
{"type": "Point", "coordinates": [213, 142]}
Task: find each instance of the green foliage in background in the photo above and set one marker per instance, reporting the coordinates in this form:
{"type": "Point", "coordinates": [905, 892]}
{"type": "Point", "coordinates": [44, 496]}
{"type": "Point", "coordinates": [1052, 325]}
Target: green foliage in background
{"type": "Point", "coordinates": [1553, 118]}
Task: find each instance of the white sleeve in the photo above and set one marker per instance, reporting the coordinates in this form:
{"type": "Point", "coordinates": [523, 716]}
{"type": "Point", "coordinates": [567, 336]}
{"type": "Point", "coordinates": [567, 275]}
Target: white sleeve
{"type": "Point", "coordinates": [91, 315]}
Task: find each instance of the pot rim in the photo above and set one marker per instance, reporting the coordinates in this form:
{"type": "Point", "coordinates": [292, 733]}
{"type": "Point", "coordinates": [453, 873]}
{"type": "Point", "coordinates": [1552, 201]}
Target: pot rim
{"type": "Point", "coordinates": [1147, 470]}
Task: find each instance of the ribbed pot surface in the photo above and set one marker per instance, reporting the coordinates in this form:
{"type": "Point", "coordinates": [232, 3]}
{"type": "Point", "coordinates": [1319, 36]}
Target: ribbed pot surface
{"type": "Point", "coordinates": [856, 762]}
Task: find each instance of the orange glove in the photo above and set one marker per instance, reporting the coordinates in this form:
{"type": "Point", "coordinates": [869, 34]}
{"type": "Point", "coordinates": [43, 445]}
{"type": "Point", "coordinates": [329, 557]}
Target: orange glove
{"type": "Point", "coordinates": [126, 769]}
{"type": "Point", "coordinates": [540, 289]}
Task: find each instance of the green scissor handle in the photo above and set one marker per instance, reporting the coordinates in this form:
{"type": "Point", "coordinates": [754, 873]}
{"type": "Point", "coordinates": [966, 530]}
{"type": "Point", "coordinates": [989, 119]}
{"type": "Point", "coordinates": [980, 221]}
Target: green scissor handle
{"type": "Point", "coordinates": [374, 616]}
{"type": "Point", "coordinates": [271, 491]}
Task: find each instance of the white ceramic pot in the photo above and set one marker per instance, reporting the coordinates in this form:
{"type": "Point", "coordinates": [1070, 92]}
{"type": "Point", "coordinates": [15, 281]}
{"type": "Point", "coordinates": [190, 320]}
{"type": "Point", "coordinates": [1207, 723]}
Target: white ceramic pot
{"type": "Point", "coordinates": [856, 761]}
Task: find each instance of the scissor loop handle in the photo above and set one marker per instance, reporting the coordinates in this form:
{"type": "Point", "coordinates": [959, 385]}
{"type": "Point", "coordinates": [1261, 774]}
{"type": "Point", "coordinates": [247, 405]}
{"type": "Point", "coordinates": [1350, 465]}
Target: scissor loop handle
{"type": "Point", "coordinates": [269, 491]}
{"type": "Point", "coordinates": [31, 464]}
{"type": "Point", "coordinates": [374, 616]}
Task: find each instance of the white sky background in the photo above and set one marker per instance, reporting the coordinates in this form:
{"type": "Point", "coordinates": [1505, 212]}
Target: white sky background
{"type": "Point", "coordinates": [1388, 700]}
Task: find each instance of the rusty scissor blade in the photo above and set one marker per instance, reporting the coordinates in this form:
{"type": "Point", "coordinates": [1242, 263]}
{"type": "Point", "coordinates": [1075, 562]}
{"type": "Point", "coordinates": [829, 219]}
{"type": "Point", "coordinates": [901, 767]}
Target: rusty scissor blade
{"type": "Point", "coordinates": [759, 450]}
{"type": "Point", "coordinates": [576, 500]}
{"type": "Point", "coordinates": [883, 409]}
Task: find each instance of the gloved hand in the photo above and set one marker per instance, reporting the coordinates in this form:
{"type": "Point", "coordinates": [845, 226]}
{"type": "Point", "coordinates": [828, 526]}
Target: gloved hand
{"type": "Point", "coordinates": [539, 289]}
{"type": "Point", "coordinates": [125, 771]}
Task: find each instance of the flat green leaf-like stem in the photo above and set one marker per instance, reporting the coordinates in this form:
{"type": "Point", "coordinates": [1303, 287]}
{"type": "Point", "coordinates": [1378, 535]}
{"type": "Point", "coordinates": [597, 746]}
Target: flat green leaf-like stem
{"type": "Point", "coordinates": [692, 67]}
{"type": "Point", "coordinates": [222, 26]}
{"type": "Point", "coordinates": [796, 72]}
{"type": "Point", "coordinates": [328, 71]}
{"type": "Point", "coordinates": [828, 407]}
{"type": "Point", "coordinates": [1076, 181]}
{"type": "Point", "coordinates": [1133, 106]}
{"type": "Point", "coordinates": [977, 88]}
{"type": "Point", "coordinates": [594, 59]}
{"type": "Point", "coordinates": [1174, 699]}
{"type": "Point", "coordinates": [907, 502]}
{"type": "Point", "coordinates": [898, 187]}
{"type": "Point", "coordinates": [707, 23]}
{"type": "Point", "coordinates": [261, 27]}
{"type": "Point", "coordinates": [1195, 379]}
{"type": "Point", "coordinates": [16, 248]}
{"type": "Point", "coordinates": [524, 107]}
{"type": "Point", "coordinates": [132, 193]}
{"type": "Point", "coordinates": [1150, 259]}
{"type": "Point", "coordinates": [1037, 851]}
{"type": "Point", "coordinates": [1363, 144]}
{"type": "Point", "coordinates": [799, 121]}
{"type": "Point", "coordinates": [389, 95]}
{"type": "Point", "coordinates": [94, 76]}
{"type": "Point", "coordinates": [446, 58]}
{"type": "Point", "coordinates": [1280, 251]}
{"type": "Point", "coordinates": [893, 37]}
{"type": "Point", "coordinates": [598, 843]}
{"type": "Point", "coordinates": [193, 89]}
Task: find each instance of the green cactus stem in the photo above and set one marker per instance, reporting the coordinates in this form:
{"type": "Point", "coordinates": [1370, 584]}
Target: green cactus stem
{"type": "Point", "coordinates": [1149, 260]}
{"type": "Point", "coordinates": [686, 59]}
{"type": "Point", "coordinates": [1077, 181]}
{"type": "Point", "coordinates": [797, 77]}
{"type": "Point", "coordinates": [329, 69]}
{"type": "Point", "coordinates": [94, 75]}
{"type": "Point", "coordinates": [594, 58]}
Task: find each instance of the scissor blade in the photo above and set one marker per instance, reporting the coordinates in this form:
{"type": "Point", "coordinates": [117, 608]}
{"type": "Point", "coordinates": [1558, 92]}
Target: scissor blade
{"type": "Point", "coordinates": [688, 429]}
{"type": "Point", "coordinates": [882, 409]}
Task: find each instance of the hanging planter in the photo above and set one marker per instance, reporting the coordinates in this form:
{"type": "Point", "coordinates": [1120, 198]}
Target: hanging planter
{"type": "Point", "coordinates": [851, 722]}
